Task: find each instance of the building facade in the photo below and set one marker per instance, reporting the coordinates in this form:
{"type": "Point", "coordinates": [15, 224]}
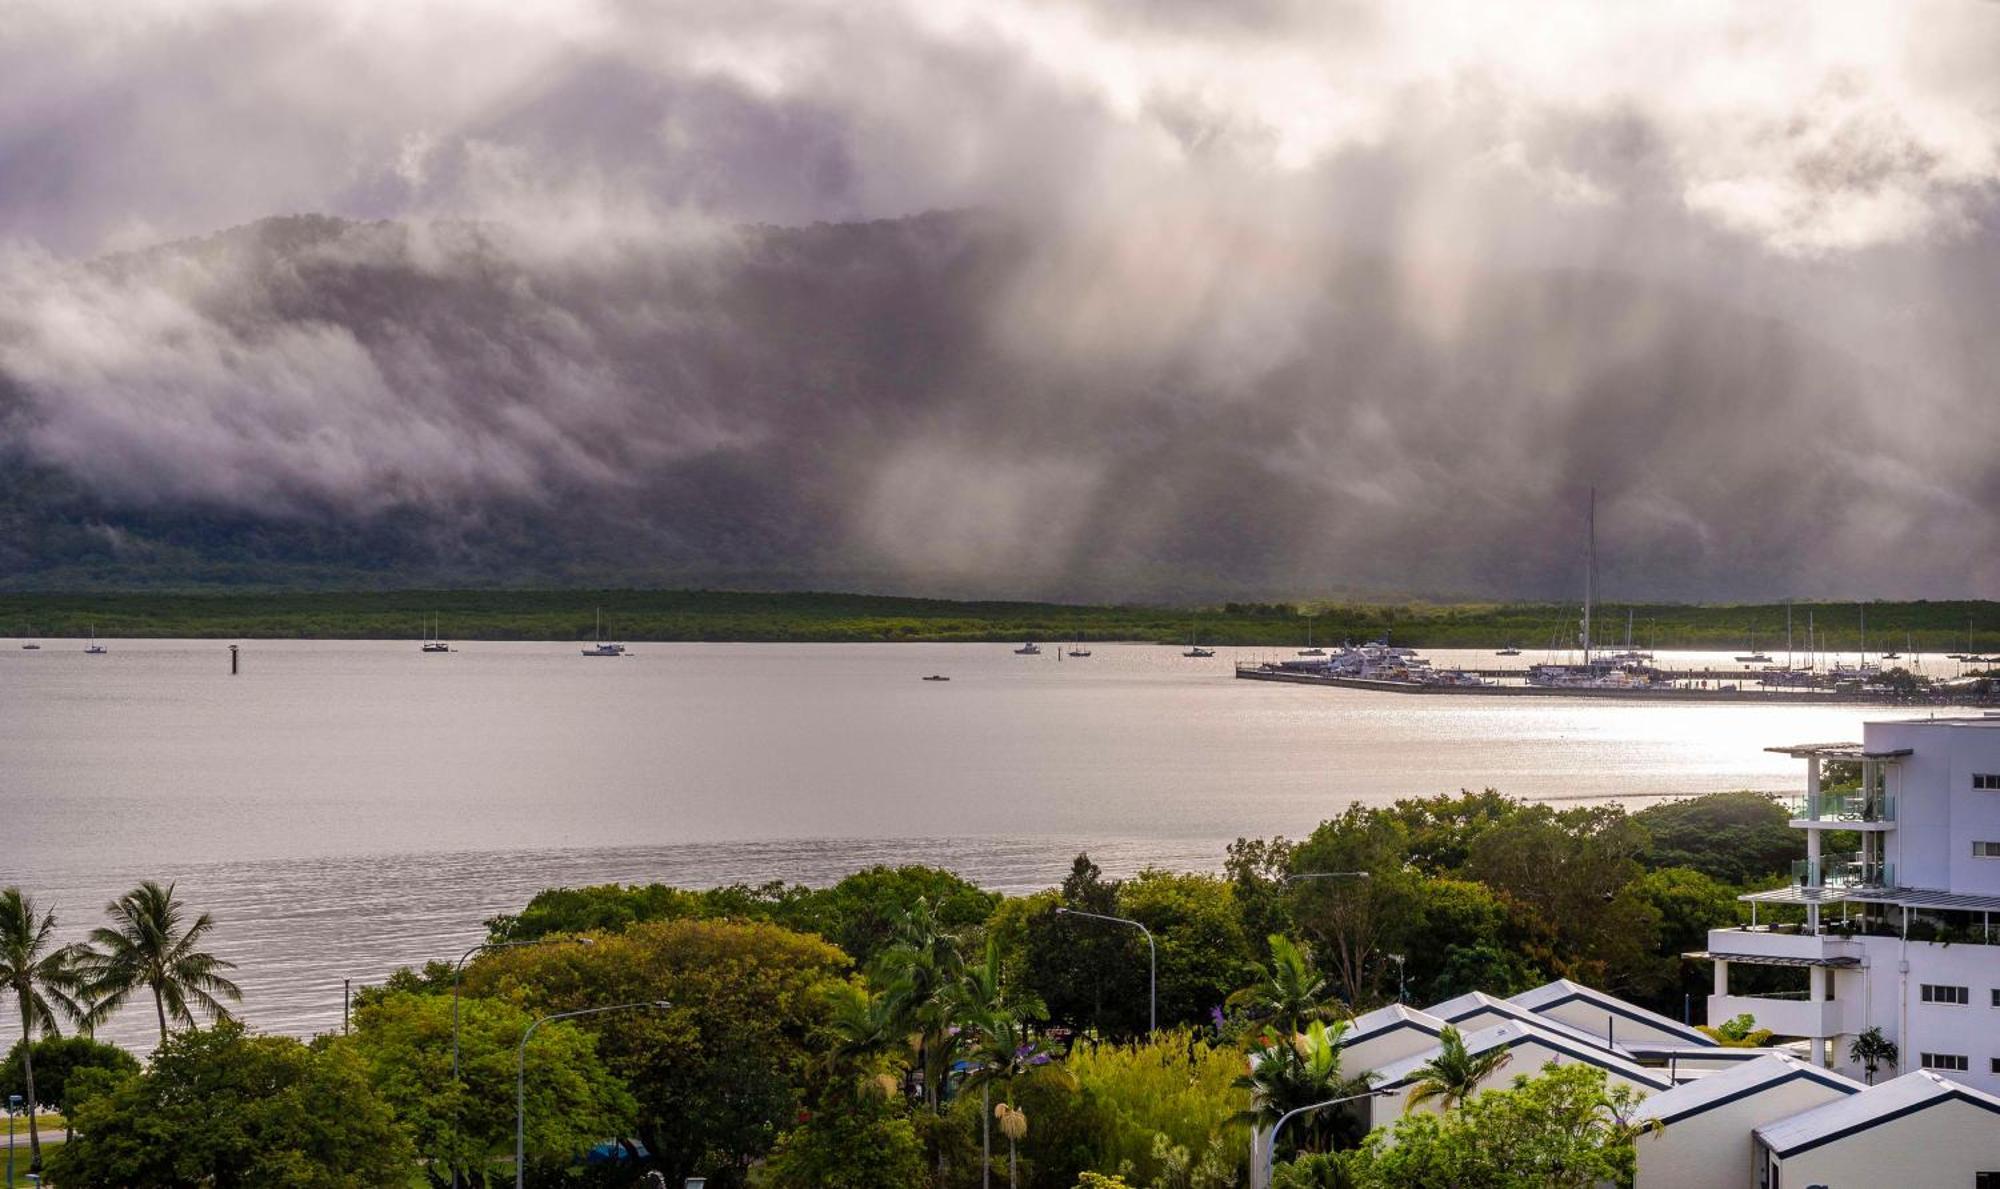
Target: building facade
{"type": "Point", "coordinates": [1889, 921]}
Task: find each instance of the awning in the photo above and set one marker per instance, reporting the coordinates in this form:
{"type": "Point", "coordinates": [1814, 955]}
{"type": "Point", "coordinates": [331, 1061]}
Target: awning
{"type": "Point", "coordinates": [1837, 751]}
{"type": "Point", "coordinates": [1770, 959]}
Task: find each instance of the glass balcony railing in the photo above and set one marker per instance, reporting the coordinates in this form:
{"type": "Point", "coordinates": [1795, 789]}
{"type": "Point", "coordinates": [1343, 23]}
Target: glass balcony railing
{"type": "Point", "coordinates": [1843, 807]}
{"type": "Point", "coordinates": [1843, 871]}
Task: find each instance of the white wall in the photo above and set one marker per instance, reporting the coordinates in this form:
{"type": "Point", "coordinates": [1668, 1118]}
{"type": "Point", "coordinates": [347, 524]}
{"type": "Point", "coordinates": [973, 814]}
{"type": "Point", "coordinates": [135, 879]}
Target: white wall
{"type": "Point", "coordinates": [1714, 1149]}
{"type": "Point", "coordinates": [1528, 1058]}
{"type": "Point", "coordinates": [1384, 1048]}
{"type": "Point", "coordinates": [1944, 1145]}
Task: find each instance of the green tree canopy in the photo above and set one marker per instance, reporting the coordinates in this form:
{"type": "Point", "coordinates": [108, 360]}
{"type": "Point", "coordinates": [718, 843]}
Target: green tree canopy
{"type": "Point", "coordinates": [58, 1060]}
{"type": "Point", "coordinates": [718, 1075]}
{"type": "Point", "coordinates": [573, 1101]}
{"type": "Point", "coordinates": [1731, 837]}
{"type": "Point", "coordinates": [220, 1107]}
{"type": "Point", "coordinates": [1203, 955]}
{"type": "Point", "coordinates": [1560, 1129]}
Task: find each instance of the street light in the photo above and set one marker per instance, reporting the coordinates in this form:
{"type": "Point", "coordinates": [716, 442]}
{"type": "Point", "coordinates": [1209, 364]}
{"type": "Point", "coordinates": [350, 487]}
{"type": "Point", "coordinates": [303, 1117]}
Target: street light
{"type": "Point", "coordinates": [458, 968]}
{"type": "Point", "coordinates": [521, 1077]}
{"type": "Point", "coordinates": [1271, 1145]}
{"type": "Point", "coordinates": [1153, 976]}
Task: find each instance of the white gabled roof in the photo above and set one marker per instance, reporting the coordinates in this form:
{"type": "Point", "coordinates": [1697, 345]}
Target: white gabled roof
{"type": "Point", "coordinates": [1385, 1019]}
{"type": "Point", "coordinates": [1514, 1032]}
{"type": "Point", "coordinates": [1472, 1003]}
{"type": "Point", "coordinates": [1731, 1085]}
{"type": "Point", "coordinates": [1872, 1107]}
{"type": "Point", "coordinates": [1552, 995]}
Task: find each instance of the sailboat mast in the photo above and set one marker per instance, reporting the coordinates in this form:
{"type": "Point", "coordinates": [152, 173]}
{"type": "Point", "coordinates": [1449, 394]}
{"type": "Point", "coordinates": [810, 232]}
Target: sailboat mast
{"type": "Point", "coordinates": [1788, 635]}
{"type": "Point", "coordinates": [1589, 570]}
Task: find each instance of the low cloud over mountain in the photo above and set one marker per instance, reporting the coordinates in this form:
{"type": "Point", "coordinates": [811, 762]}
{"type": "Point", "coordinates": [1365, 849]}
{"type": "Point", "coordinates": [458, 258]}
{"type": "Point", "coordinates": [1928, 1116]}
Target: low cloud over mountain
{"type": "Point", "coordinates": [1268, 300]}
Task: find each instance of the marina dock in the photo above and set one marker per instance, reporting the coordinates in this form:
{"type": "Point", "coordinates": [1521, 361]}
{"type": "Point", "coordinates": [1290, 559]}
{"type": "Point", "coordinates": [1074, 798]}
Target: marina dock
{"type": "Point", "coordinates": [1749, 692]}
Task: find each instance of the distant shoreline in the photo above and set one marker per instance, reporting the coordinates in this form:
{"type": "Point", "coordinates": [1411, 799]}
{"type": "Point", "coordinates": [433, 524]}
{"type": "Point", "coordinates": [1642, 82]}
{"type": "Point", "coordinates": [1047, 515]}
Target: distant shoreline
{"type": "Point", "coordinates": [1933, 628]}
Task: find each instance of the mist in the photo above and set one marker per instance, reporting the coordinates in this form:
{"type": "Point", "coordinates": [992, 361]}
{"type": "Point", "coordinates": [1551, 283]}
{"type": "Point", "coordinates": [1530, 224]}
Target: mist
{"type": "Point", "coordinates": [1108, 300]}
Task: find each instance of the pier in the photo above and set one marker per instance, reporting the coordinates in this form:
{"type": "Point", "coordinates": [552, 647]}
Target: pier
{"type": "Point", "coordinates": [1764, 695]}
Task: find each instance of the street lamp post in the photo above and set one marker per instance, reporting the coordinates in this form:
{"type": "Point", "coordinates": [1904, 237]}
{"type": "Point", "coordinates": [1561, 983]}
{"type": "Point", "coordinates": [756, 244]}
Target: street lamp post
{"type": "Point", "coordinates": [458, 968]}
{"type": "Point", "coordinates": [1153, 965]}
{"type": "Point", "coordinates": [521, 1076]}
{"type": "Point", "coordinates": [1271, 1145]}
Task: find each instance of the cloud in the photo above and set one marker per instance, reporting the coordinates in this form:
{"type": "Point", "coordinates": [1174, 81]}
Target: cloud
{"type": "Point", "coordinates": [1264, 297]}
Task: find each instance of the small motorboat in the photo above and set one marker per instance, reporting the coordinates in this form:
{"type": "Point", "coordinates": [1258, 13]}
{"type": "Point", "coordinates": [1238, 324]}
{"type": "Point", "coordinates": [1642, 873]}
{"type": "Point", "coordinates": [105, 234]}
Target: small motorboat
{"type": "Point", "coordinates": [1029, 649]}
{"type": "Point", "coordinates": [1510, 650]}
{"type": "Point", "coordinates": [937, 677]}
{"type": "Point", "coordinates": [31, 646]}
{"type": "Point", "coordinates": [1198, 651]}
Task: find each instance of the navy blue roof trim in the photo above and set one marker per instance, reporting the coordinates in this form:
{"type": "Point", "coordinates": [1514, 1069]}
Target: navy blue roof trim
{"type": "Point", "coordinates": [1354, 1037]}
{"type": "Point", "coordinates": [1892, 1116]}
{"type": "Point", "coordinates": [1697, 1037]}
{"type": "Point", "coordinates": [1829, 1080]}
{"type": "Point", "coordinates": [1561, 1047]}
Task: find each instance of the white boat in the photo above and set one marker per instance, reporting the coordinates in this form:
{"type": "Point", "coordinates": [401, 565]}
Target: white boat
{"type": "Point", "coordinates": [1029, 648]}
{"type": "Point", "coordinates": [1195, 650]}
{"type": "Point", "coordinates": [603, 647]}
{"type": "Point", "coordinates": [1510, 650]}
{"type": "Point", "coordinates": [1311, 649]}
{"type": "Point", "coordinates": [433, 641]}
{"type": "Point", "coordinates": [94, 648]}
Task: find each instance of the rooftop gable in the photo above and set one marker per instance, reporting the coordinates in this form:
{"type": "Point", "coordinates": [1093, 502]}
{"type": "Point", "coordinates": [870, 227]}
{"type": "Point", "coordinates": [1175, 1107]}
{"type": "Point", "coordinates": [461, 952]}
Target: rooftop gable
{"type": "Point", "coordinates": [1550, 996]}
{"type": "Point", "coordinates": [1871, 1108]}
{"type": "Point", "coordinates": [1513, 1033]}
{"type": "Point", "coordinates": [1733, 1085]}
{"type": "Point", "coordinates": [1472, 1003]}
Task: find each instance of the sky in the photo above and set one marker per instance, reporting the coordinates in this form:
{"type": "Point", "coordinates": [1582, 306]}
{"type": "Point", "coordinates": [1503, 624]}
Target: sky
{"type": "Point", "coordinates": [1437, 269]}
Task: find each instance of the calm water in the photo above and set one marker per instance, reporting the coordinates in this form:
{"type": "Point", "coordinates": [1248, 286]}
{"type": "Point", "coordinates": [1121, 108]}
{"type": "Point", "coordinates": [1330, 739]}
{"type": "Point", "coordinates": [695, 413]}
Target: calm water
{"type": "Point", "coordinates": [347, 807]}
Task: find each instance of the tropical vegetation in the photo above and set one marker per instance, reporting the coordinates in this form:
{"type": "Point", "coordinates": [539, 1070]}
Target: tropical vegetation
{"type": "Point", "coordinates": [904, 1026]}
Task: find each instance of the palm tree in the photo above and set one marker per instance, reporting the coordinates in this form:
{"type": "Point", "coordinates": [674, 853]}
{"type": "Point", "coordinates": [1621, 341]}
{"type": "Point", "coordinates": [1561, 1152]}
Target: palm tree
{"type": "Point", "coordinates": [148, 947]}
{"type": "Point", "coordinates": [1454, 1074]}
{"type": "Point", "coordinates": [921, 971]}
{"type": "Point", "coordinates": [1289, 992]}
{"type": "Point", "coordinates": [1288, 1072]}
{"type": "Point", "coordinates": [1873, 1051]}
{"type": "Point", "coordinates": [1001, 1052]}
{"type": "Point", "coordinates": [45, 981]}
{"type": "Point", "coordinates": [992, 1015]}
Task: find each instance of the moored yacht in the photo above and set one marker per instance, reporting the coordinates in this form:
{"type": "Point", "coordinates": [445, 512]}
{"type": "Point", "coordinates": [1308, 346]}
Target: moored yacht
{"type": "Point", "coordinates": [603, 647]}
{"type": "Point", "coordinates": [1030, 648]}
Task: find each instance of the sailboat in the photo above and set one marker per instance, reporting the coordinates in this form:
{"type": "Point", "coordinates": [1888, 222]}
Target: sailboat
{"type": "Point", "coordinates": [601, 648]}
{"type": "Point", "coordinates": [30, 645]}
{"type": "Point", "coordinates": [1196, 650]}
{"type": "Point", "coordinates": [1076, 647]}
{"type": "Point", "coordinates": [94, 648]}
{"type": "Point", "coordinates": [1756, 657]}
{"type": "Point", "coordinates": [434, 639]}
{"type": "Point", "coordinates": [1601, 671]}
{"type": "Point", "coordinates": [1311, 649]}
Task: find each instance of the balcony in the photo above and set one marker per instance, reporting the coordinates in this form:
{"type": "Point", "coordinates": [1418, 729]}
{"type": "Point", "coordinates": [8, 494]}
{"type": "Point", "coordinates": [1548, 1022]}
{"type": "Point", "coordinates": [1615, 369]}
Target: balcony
{"type": "Point", "coordinates": [1852, 810]}
{"type": "Point", "coordinates": [1788, 1015]}
{"type": "Point", "coordinates": [1843, 871]}
{"type": "Point", "coordinates": [1784, 945]}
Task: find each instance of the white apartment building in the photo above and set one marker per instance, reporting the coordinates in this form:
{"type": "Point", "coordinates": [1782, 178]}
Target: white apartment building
{"type": "Point", "coordinates": [1898, 933]}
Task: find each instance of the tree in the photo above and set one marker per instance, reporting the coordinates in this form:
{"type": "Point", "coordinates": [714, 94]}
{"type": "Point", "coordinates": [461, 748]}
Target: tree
{"type": "Point", "coordinates": [718, 1075]}
{"type": "Point", "coordinates": [858, 1142]}
{"type": "Point", "coordinates": [1288, 992]}
{"type": "Point", "coordinates": [1454, 1075]}
{"type": "Point", "coordinates": [1203, 955]}
{"type": "Point", "coordinates": [1288, 1072]}
{"type": "Point", "coordinates": [221, 1107]}
{"type": "Point", "coordinates": [1256, 869]}
{"type": "Point", "coordinates": [1175, 1086]}
{"type": "Point", "coordinates": [1441, 829]}
{"type": "Point", "coordinates": [1570, 870]}
{"type": "Point", "coordinates": [1456, 924]}
{"type": "Point", "coordinates": [1353, 922]}
{"type": "Point", "coordinates": [45, 981]}
{"type": "Point", "coordinates": [1731, 837]}
{"type": "Point", "coordinates": [147, 946]}
{"type": "Point", "coordinates": [1091, 976]}
{"type": "Point", "coordinates": [1689, 904]}
{"type": "Point", "coordinates": [921, 972]}
{"type": "Point", "coordinates": [1562, 1129]}
{"type": "Point", "coordinates": [1873, 1051]}
{"type": "Point", "coordinates": [1001, 1053]}
{"type": "Point", "coordinates": [404, 1044]}
{"type": "Point", "coordinates": [59, 1063]}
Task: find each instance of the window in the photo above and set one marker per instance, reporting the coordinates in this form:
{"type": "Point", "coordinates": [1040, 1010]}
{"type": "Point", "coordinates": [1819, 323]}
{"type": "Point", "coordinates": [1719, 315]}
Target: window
{"type": "Point", "coordinates": [1986, 850]}
{"type": "Point", "coordinates": [1949, 1062]}
{"type": "Point", "coordinates": [1940, 993]}
{"type": "Point", "coordinates": [1995, 1064]}
{"type": "Point", "coordinates": [1986, 780]}
{"type": "Point", "coordinates": [1996, 996]}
